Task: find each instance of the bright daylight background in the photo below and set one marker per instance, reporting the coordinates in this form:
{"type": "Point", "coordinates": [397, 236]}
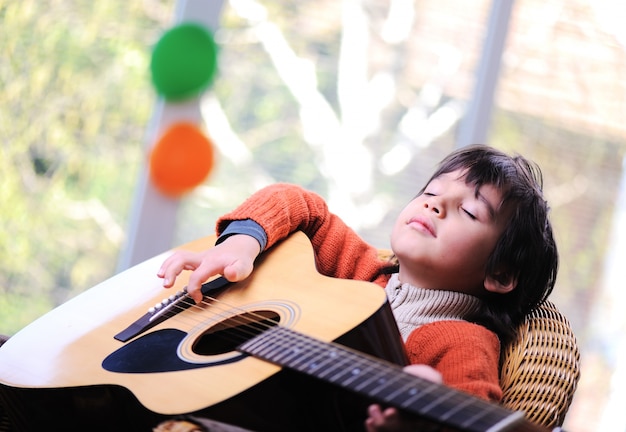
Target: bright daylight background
{"type": "Point", "coordinates": [357, 100]}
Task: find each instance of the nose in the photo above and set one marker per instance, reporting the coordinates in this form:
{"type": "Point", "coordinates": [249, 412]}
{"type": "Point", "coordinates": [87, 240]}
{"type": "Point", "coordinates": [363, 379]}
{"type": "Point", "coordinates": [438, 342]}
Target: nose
{"type": "Point", "coordinates": [435, 205]}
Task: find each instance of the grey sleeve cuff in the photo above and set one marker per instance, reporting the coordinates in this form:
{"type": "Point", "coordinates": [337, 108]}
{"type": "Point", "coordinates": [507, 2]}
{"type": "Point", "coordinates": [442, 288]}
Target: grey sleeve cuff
{"type": "Point", "coordinates": [247, 227]}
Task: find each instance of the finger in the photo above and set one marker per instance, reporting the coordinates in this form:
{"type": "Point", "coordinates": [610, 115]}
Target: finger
{"type": "Point", "coordinates": [194, 285]}
{"type": "Point", "coordinates": [391, 415]}
{"type": "Point", "coordinates": [195, 294]}
{"type": "Point", "coordinates": [174, 265]}
{"type": "Point", "coordinates": [424, 371]}
{"type": "Point", "coordinates": [169, 262]}
{"type": "Point", "coordinates": [207, 269]}
{"type": "Point", "coordinates": [375, 415]}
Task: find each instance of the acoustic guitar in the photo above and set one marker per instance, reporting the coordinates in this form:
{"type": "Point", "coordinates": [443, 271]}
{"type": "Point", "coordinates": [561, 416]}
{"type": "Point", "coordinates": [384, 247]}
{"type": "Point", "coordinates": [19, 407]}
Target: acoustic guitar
{"type": "Point", "coordinates": [287, 349]}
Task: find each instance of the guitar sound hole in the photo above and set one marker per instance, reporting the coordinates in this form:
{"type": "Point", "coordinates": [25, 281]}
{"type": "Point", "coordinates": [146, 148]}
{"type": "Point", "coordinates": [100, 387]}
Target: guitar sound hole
{"type": "Point", "coordinates": [227, 335]}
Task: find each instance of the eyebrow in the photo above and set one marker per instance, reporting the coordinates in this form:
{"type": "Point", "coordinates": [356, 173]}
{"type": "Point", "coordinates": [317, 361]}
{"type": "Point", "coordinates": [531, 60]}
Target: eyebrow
{"type": "Point", "coordinates": [477, 194]}
{"type": "Point", "coordinates": [490, 208]}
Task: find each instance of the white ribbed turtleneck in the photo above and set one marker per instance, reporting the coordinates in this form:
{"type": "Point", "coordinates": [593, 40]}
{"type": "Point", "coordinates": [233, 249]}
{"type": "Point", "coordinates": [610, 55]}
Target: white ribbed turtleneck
{"type": "Point", "coordinates": [413, 306]}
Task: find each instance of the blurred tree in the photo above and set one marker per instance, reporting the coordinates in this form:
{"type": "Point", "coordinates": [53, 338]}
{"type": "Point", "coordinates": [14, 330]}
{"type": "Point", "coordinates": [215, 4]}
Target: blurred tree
{"type": "Point", "coordinates": [74, 100]}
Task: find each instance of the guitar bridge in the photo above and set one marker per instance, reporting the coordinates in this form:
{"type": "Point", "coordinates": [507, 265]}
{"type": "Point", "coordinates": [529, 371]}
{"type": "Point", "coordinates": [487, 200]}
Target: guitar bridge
{"type": "Point", "coordinates": [165, 310]}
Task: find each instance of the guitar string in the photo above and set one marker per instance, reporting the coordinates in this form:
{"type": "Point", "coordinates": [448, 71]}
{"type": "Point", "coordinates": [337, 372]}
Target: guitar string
{"type": "Point", "coordinates": [243, 318]}
{"type": "Point", "coordinates": [452, 400]}
{"type": "Point", "coordinates": [225, 311]}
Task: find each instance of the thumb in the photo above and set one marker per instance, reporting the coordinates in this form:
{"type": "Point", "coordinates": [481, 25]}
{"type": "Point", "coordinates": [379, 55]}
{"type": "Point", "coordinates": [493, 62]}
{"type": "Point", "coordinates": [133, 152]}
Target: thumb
{"type": "Point", "coordinates": [237, 271]}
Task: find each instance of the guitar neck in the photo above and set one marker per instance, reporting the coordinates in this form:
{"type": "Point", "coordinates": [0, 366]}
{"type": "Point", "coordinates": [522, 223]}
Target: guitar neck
{"type": "Point", "coordinates": [382, 382]}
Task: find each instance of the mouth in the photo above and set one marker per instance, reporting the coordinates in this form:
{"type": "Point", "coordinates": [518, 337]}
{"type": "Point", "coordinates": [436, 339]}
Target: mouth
{"type": "Point", "coordinates": [422, 225]}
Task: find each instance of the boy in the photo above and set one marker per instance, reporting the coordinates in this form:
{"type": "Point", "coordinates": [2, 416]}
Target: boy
{"type": "Point", "coordinates": [475, 254]}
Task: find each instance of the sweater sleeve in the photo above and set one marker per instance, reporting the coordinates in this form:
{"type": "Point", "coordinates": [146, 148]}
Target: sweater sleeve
{"type": "Point", "coordinates": [466, 354]}
{"type": "Point", "coordinates": [281, 209]}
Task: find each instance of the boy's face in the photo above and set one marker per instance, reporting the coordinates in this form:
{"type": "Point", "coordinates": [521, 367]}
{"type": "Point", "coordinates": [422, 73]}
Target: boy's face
{"type": "Point", "coordinates": [444, 237]}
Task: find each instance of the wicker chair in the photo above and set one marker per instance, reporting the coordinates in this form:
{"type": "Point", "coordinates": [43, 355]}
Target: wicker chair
{"type": "Point", "coordinates": [541, 367]}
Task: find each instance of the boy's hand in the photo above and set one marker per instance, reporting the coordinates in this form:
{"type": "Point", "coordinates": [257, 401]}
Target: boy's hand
{"type": "Point", "coordinates": [233, 259]}
{"type": "Point", "coordinates": [390, 420]}
{"type": "Point", "coordinates": [383, 421]}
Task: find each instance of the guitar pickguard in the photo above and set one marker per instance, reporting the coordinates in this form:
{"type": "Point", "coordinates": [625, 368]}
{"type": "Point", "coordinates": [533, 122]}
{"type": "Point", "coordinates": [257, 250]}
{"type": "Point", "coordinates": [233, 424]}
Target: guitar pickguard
{"type": "Point", "coordinates": [153, 352]}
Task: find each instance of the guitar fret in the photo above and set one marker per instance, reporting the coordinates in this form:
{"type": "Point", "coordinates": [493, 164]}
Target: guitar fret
{"type": "Point", "coordinates": [334, 373]}
{"type": "Point", "coordinates": [318, 360]}
{"type": "Point", "coordinates": [445, 397]}
{"type": "Point", "coordinates": [315, 357]}
{"type": "Point", "coordinates": [377, 381]}
{"type": "Point", "coordinates": [399, 392]}
{"type": "Point", "coordinates": [357, 375]}
{"type": "Point", "coordinates": [301, 355]}
{"type": "Point", "coordinates": [363, 374]}
{"type": "Point", "coordinates": [314, 367]}
{"type": "Point", "coordinates": [480, 416]}
{"type": "Point", "coordinates": [434, 406]}
{"type": "Point", "coordinates": [255, 345]}
{"type": "Point", "coordinates": [278, 352]}
{"type": "Point", "coordinates": [275, 346]}
{"type": "Point", "coordinates": [342, 373]}
{"type": "Point", "coordinates": [370, 375]}
{"type": "Point", "coordinates": [458, 406]}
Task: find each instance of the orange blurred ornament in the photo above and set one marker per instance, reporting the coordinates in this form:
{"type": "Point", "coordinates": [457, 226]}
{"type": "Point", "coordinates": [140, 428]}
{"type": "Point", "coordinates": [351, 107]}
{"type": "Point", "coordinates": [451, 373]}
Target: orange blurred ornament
{"type": "Point", "coordinates": [181, 160]}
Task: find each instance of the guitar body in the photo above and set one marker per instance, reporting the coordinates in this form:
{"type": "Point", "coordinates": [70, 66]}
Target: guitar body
{"type": "Point", "coordinates": [67, 370]}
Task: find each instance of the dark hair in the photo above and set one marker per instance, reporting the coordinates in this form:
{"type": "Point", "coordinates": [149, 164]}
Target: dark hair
{"type": "Point", "coordinates": [526, 249]}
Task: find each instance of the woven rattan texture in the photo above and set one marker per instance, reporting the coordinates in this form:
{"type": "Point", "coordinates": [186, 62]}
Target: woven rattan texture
{"type": "Point", "coordinates": [541, 368]}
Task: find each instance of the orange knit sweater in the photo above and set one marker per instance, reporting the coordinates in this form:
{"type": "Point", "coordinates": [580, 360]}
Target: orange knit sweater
{"type": "Point", "coordinates": [466, 354]}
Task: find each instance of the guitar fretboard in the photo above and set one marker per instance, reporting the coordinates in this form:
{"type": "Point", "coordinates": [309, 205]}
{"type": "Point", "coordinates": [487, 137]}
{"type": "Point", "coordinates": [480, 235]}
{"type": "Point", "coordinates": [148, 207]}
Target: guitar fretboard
{"type": "Point", "coordinates": [379, 380]}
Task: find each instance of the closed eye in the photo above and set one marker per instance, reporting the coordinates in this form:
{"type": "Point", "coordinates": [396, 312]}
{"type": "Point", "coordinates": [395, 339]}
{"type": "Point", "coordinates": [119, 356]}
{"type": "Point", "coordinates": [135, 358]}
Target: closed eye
{"type": "Point", "coordinates": [469, 214]}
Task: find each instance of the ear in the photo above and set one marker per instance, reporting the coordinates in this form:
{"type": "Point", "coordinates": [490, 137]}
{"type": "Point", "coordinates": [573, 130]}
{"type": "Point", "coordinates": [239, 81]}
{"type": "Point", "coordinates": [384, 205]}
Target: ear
{"type": "Point", "coordinates": [500, 283]}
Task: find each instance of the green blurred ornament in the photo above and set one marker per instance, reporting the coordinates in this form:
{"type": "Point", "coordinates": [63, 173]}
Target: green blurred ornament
{"type": "Point", "coordinates": [183, 61]}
